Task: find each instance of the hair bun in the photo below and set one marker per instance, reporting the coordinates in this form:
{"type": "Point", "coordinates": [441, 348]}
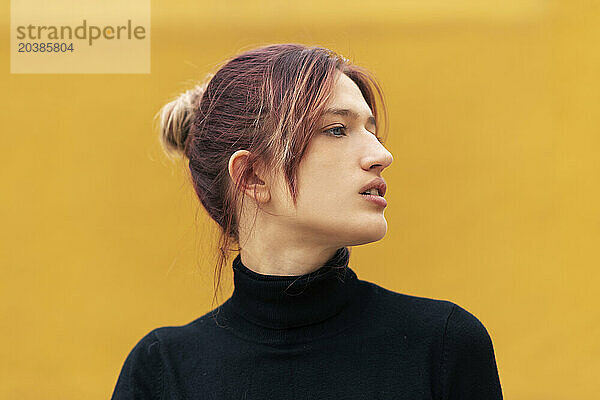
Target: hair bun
{"type": "Point", "coordinates": [176, 118]}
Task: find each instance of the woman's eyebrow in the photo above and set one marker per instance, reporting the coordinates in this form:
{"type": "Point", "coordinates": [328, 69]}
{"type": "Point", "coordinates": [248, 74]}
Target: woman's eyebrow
{"type": "Point", "coordinates": [350, 113]}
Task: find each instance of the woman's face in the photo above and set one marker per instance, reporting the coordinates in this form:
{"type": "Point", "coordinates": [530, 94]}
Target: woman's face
{"type": "Point", "coordinates": [343, 157]}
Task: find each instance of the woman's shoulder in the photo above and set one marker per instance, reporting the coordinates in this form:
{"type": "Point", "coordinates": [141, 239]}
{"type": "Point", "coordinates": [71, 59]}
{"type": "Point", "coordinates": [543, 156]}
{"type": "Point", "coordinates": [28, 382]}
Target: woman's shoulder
{"type": "Point", "coordinates": [202, 327]}
{"type": "Point", "coordinates": [143, 371]}
{"type": "Point", "coordinates": [407, 303]}
{"type": "Point", "coordinates": [422, 309]}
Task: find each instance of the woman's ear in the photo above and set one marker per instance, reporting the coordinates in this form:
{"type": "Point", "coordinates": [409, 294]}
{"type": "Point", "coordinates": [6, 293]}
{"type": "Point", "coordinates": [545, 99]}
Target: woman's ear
{"type": "Point", "coordinates": [255, 187]}
{"type": "Point", "coordinates": [236, 163]}
{"type": "Point", "coordinates": [262, 181]}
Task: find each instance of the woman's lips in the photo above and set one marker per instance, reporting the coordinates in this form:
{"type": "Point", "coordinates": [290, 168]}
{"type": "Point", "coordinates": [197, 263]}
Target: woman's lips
{"type": "Point", "coordinates": [375, 199]}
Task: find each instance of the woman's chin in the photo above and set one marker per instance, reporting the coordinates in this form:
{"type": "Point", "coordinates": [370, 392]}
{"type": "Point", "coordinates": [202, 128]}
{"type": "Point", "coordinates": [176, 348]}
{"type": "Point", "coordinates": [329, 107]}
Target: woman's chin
{"type": "Point", "coordinates": [369, 232]}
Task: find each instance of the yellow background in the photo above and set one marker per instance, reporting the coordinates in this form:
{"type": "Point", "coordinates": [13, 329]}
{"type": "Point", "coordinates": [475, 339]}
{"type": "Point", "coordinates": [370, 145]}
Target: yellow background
{"type": "Point", "coordinates": [493, 194]}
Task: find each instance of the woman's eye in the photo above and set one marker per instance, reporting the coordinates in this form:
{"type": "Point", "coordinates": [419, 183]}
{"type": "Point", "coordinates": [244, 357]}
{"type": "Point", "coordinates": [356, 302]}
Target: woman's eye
{"type": "Point", "coordinates": [337, 129]}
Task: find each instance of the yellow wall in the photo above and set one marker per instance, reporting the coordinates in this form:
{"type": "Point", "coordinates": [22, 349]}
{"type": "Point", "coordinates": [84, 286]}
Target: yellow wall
{"type": "Point", "coordinates": [493, 193]}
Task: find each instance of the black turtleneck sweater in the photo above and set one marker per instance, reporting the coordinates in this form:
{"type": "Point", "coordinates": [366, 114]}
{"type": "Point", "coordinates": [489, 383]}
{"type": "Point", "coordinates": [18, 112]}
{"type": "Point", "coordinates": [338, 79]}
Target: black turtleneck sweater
{"type": "Point", "coordinates": [322, 335]}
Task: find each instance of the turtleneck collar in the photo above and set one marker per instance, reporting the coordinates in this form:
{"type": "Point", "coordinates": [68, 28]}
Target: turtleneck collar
{"type": "Point", "coordinates": [272, 307]}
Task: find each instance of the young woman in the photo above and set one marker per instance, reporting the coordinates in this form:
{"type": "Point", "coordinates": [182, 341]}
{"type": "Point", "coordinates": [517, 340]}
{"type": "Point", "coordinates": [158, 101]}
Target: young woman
{"type": "Point", "coordinates": [285, 156]}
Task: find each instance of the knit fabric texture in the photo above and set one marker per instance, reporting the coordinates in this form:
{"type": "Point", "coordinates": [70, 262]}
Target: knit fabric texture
{"type": "Point", "coordinates": [322, 335]}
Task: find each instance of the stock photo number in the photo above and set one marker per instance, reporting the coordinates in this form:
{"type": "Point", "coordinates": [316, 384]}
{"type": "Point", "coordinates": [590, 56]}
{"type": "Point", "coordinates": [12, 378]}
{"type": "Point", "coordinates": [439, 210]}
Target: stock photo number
{"type": "Point", "coordinates": [35, 47]}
